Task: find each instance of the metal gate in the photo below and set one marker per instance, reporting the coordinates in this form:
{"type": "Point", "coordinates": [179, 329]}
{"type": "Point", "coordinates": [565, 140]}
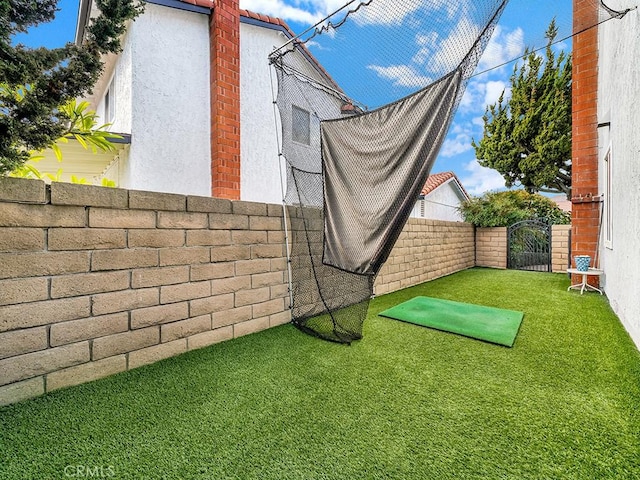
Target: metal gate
{"type": "Point", "coordinates": [529, 246]}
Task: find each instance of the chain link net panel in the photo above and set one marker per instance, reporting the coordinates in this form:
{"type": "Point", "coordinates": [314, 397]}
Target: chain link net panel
{"type": "Point", "coordinates": [360, 133]}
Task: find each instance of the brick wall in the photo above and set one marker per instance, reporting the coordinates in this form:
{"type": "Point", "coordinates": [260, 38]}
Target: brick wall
{"type": "Point", "coordinates": [426, 249]}
{"type": "Point", "coordinates": [491, 247]}
{"type": "Point", "coordinates": [224, 34]}
{"type": "Point", "coordinates": [584, 155]}
{"type": "Point", "coordinates": [95, 281]}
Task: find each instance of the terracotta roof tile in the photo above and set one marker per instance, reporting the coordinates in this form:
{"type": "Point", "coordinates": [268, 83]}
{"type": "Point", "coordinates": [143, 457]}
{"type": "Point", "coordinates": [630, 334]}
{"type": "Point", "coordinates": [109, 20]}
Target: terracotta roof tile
{"type": "Point", "coordinates": [437, 179]}
{"type": "Point", "coordinates": [200, 3]}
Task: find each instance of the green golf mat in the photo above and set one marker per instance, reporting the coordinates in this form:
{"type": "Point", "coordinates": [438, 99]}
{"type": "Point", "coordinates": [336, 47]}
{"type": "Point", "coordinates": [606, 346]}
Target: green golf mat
{"type": "Point", "coordinates": [490, 324]}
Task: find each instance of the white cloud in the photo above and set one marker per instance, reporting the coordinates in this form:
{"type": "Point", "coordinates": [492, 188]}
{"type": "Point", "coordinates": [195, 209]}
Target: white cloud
{"type": "Point", "coordinates": [481, 179]}
{"type": "Point", "coordinates": [502, 47]}
{"type": "Point", "coordinates": [493, 90]}
{"type": "Point", "coordinates": [280, 9]}
{"type": "Point", "coordinates": [455, 146]}
{"type": "Point", "coordinates": [402, 75]}
{"type": "Point", "coordinates": [478, 121]}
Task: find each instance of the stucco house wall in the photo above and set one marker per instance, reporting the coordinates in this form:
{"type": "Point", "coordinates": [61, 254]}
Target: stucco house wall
{"type": "Point", "coordinates": [161, 93]}
{"type": "Point", "coordinates": [618, 118]}
{"type": "Point", "coordinates": [441, 204]}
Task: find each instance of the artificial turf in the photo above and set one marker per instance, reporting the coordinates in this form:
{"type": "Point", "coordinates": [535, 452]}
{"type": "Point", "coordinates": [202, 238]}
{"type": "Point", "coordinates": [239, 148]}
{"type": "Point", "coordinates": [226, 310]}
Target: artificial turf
{"type": "Point", "coordinates": [403, 403]}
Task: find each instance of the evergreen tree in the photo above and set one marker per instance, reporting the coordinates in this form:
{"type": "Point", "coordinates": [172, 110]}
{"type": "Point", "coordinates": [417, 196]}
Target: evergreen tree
{"type": "Point", "coordinates": [34, 83]}
{"type": "Point", "coordinates": [527, 138]}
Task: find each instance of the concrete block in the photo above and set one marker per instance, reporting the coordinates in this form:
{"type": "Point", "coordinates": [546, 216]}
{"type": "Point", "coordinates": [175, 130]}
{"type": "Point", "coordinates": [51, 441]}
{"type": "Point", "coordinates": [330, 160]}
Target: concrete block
{"type": "Point", "coordinates": [250, 326]}
{"type": "Point", "coordinates": [156, 353]}
{"type": "Point", "coordinates": [17, 392]}
{"type": "Point", "coordinates": [267, 251]}
{"type": "Point", "coordinates": [202, 306]}
{"type": "Point", "coordinates": [267, 279]}
{"type": "Point", "coordinates": [156, 201]}
{"type": "Point", "coordinates": [43, 263]}
{"type": "Point", "coordinates": [279, 291]}
{"type": "Point", "coordinates": [182, 220]}
{"type": "Point", "coordinates": [222, 221]}
{"type": "Point", "coordinates": [86, 372]}
{"type": "Point", "coordinates": [229, 317]}
{"type": "Point", "coordinates": [251, 267]}
{"type": "Point", "coordinates": [265, 223]}
{"type": "Point", "coordinates": [124, 259]}
{"type": "Point", "coordinates": [24, 190]}
{"type": "Point", "coordinates": [86, 238]}
{"type": "Point", "coordinates": [87, 195]}
{"type": "Point", "coordinates": [124, 300]}
{"type": "Point", "coordinates": [23, 290]}
{"type": "Point", "coordinates": [88, 328]}
{"type": "Point", "coordinates": [208, 237]}
{"type": "Point", "coordinates": [274, 210]}
{"type": "Point", "coordinates": [26, 315]}
{"type": "Point", "coordinates": [205, 339]}
{"type": "Point", "coordinates": [208, 204]}
{"type": "Point", "coordinates": [275, 237]}
{"type": "Point", "coordinates": [229, 285]}
{"type": "Point", "coordinates": [280, 318]}
{"type": "Point", "coordinates": [210, 271]}
{"type": "Point", "coordinates": [24, 215]}
{"type": "Point", "coordinates": [184, 256]}
{"type": "Point", "coordinates": [14, 239]}
{"type": "Point", "coordinates": [248, 237]}
{"type": "Point", "coordinates": [145, 317]}
{"type": "Point", "coordinates": [19, 342]}
{"type": "Point", "coordinates": [125, 342]}
{"type": "Point", "coordinates": [88, 283]}
{"type": "Point", "coordinates": [185, 291]}
{"type": "Point", "coordinates": [184, 328]}
{"type": "Point", "coordinates": [250, 297]}
{"type": "Point", "coordinates": [230, 253]}
{"type": "Point", "coordinates": [13, 369]}
{"type": "Point", "coordinates": [153, 277]}
{"type": "Point", "coordinates": [114, 218]}
{"type": "Point", "coordinates": [267, 308]}
{"type": "Point", "coordinates": [249, 208]}
{"type": "Point", "coordinates": [156, 238]}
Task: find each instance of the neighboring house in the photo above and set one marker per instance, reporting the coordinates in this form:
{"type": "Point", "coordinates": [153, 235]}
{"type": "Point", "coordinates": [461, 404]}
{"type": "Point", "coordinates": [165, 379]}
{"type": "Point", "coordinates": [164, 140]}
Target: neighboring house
{"type": "Point", "coordinates": [606, 146]}
{"type": "Point", "coordinates": [562, 202]}
{"type": "Point", "coordinates": [440, 198]}
{"type": "Point", "coordinates": [192, 91]}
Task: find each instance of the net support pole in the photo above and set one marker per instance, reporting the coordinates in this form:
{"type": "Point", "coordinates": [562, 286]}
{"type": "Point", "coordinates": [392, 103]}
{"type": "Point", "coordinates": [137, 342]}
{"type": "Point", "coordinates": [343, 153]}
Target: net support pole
{"type": "Point", "coordinates": [284, 205]}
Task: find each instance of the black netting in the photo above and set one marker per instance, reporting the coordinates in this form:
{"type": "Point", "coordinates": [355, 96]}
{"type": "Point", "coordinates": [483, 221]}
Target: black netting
{"type": "Point", "coordinates": [359, 136]}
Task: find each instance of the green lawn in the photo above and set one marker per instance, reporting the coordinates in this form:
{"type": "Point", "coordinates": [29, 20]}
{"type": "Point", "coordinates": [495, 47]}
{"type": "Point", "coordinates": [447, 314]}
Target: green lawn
{"type": "Point", "coordinates": [404, 402]}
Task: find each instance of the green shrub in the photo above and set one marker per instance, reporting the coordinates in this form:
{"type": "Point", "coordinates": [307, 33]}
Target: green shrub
{"type": "Point", "coordinates": [501, 209]}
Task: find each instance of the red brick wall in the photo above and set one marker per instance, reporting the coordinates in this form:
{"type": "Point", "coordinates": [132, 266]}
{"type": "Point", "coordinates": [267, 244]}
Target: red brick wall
{"type": "Point", "coordinates": [225, 99]}
{"type": "Point", "coordinates": [586, 206]}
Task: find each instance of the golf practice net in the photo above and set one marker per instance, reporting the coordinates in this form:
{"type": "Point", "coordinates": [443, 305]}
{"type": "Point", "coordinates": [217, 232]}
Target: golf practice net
{"type": "Point", "coordinates": [365, 100]}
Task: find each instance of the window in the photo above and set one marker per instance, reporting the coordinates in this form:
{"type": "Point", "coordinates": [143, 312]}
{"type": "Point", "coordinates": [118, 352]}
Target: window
{"type": "Point", "coordinates": [608, 186]}
{"type": "Point", "coordinates": [301, 125]}
{"type": "Point", "coordinates": [109, 104]}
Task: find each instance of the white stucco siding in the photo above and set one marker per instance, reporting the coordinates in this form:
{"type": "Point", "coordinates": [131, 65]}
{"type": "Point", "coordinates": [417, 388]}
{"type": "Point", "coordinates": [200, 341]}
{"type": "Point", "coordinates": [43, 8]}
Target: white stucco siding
{"type": "Point", "coordinates": [441, 204]}
{"type": "Point", "coordinates": [619, 104]}
{"type": "Point", "coordinates": [170, 106]}
{"type": "Point", "coordinates": [259, 171]}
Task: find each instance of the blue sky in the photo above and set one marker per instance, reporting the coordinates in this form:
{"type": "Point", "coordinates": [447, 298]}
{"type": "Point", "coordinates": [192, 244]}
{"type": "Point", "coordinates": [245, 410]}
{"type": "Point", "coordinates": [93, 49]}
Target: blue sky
{"type": "Point", "coordinates": [522, 24]}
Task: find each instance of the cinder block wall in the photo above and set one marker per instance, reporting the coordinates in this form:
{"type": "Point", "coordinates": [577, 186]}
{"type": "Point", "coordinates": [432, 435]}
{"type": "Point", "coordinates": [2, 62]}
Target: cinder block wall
{"type": "Point", "coordinates": [425, 250]}
{"type": "Point", "coordinates": [560, 238]}
{"type": "Point", "coordinates": [95, 281]}
{"type": "Point", "coordinates": [491, 247]}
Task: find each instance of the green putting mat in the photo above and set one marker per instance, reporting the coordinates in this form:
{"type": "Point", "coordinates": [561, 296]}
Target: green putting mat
{"type": "Point", "coordinates": [490, 324]}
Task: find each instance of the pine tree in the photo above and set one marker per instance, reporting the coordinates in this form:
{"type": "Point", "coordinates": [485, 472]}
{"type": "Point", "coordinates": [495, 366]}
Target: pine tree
{"type": "Point", "coordinates": [34, 83]}
{"type": "Point", "coordinates": [527, 138]}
